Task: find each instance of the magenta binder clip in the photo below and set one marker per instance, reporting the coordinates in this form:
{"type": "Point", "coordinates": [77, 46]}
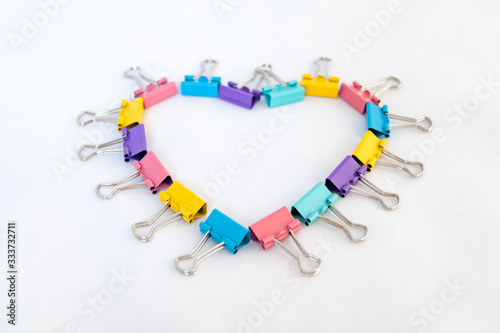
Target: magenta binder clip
{"type": "Point", "coordinates": [357, 95]}
{"type": "Point", "coordinates": [155, 92]}
{"type": "Point", "coordinates": [154, 175]}
{"type": "Point", "coordinates": [275, 228]}
{"type": "Point", "coordinates": [134, 145]}
{"type": "Point", "coordinates": [346, 176]}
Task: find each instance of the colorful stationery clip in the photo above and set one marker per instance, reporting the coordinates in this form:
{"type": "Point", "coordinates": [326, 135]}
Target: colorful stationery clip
{"type": "Point", "coordinates": [241, 94]}
{"type": "Point", "coordinates": [183, 202]}
{"type": "Point", "coordinates": [378, 120]}
{"type": "Point", "coordinates": [134, 145]}
{"type": "Point", "coordinates": [369, 150]}
{"type": "Point", "coordinates": [276, 227]}
{"type": "Point", "coordinates": [129, 114]}
{"type": "Point", "coordinates": [223, 230]}
{"type": "Point", "coordinates": [316, 202]}
{"type": "Point", "coordinates": [282, 93]}
{"type": "Point", "coordinates": [318, 85]}
{"type": "Point", "coordinates": [155, 92]}
{"type": "Point", "coordinates": [357, 95]}
{"type": "Point", "coordinates": [345, 177]}
{"type": "Point", "coordinates": [154, 175]}
{"type": "Point", "coordinates": [202, 85]}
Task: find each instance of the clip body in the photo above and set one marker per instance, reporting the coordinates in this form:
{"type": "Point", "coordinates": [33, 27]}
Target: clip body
{"type": "Point", "coordinates": [316, 202]}
{"type": "Point", "coordinates": [346, 176]}
{"type": "Point", "coordinates": [134, 145]}
{"type": "Point", "coordinates": [276, 227]}
{"type": "Point", "coordinates": [242, 96]}
{"type": "Point", "coordinates": [130, 113]}
{"type": "Point", "coordinates": [357, 95]}
{"type": "Point", "coordinates": [155, 93]}
{"type": "Point", "coordinates": [223, 230]}
{"type": "Point", "coordinates": [152, 172]}
{"type": "Point", "coordinates": [282, 94]}
{"type": "Point", "coordinates": [378, 120]}
{"type": "Point", "coordinates": [318, 85]}
{"type": "Point", "coordinates": [184, 203]}
{"type": "Point", "coordinates": [370, 148]}
{"type": "Point", "coordinates": [207, 86]}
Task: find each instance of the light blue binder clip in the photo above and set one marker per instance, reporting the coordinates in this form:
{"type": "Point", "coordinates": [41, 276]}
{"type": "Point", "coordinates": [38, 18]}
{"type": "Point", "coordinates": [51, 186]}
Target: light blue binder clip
{"type": "Point", "coordinates": [378, 120]}
{"type": "Point", "coordinates": [316, 202]}
{"type": "Point", "coordinates": [207, 86]}
{"type": "Point", "coordinates": [225, 231]}
{"type": "Point", "coordinates": [282, 93]}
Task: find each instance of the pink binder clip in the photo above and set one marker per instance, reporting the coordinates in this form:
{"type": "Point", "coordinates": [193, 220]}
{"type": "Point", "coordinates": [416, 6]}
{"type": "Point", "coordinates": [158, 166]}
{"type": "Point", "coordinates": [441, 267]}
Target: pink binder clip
{"type": "Point", "coordinates": [275, 228]}
{"type": "Point", "coordinates": [154, 175]}
{"type": "Point", "coordinates": [155, 92]}
{"type": "Point", "coordinates": [357, 95]}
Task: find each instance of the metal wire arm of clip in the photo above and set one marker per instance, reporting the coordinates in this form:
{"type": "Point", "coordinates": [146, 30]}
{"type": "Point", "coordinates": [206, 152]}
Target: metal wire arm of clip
{"type": "Point", "coordinates": [121, 181]}
{"type": "Point", "coordinates": [98, 151]}
{"type": "Point", "coordinates": [204, 64]}
{"type": "Point", "coordinates": [404, 164]}
{"type": "Point", "coordinates": [307, 255]}
{"type": "Point", "coordinates": [155, 225]}
{"type": "Point", "coordinates": [140, 74]}
{"type": "Point", "coordinates": [343, 228]}
{"type": "Point", "coordinates": [379, 193]}
{"type": "Point", "coordinates": [322, 62]}
{"type": "Point", "coordinates": [384, 85]}
{"type": "Point", "coordinates": [194, 252]}
{"type": "Point", "coordinates": [97, 116]}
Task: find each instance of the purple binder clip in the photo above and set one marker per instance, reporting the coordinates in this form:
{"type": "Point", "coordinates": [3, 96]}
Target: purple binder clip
{"type": "Point", "coordinates": [346, 176]}
{"type": "Point", "coordinates": [134, 145]}
{"type": "Point", "coordinates": [239, 94]}
{"type": "Point", "coordinates": [155, 92]}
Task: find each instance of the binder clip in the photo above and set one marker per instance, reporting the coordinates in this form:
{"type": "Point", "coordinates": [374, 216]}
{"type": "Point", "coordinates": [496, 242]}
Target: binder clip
{"type": "Point", "coordinates": [318, 85]}
{"type": "Point", "coordinates": [346, 176]}
{"type": "Point", "coordinates": [153, 93]}
{"type": "Point", "coordinates": [134, 145]}
{"type": "Point", "coordinates": [369, 150]}
{"type": "Point", "coordinates": [378, 120]}
{"type": "Point", "coordinates": [223, 230]}
{"type": "Point", "coordinates": [241, 94]}
{"type": "Point", "coordinates": [357, 95]}
{"type": "Point", "coordinates": [272, 229]}
{"type": "Point", "coordinates": [184, 203]}
{"type": "Point", "coordinates": [198, 85]}
{"type": "Point", "coordinates": [154, 175]}
{"type": "Point", "coordinates": [129, 114]}
{"type": "Point", "coordinates": [282, 93]}
{"type": "Point", "coordinates": [316, 202]}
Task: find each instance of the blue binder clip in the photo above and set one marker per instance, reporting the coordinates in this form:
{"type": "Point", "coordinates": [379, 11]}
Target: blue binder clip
{"type": "Point", "coordinates": [225, 231]}
{"type": "Point", "coordinates": [378, 121]}
{"type": "Point", "coordinates": [198, 85]}
{"type": "Point", "coordinates": [316, 202]}
{"type": "Point", "coordinates": [282, 93]}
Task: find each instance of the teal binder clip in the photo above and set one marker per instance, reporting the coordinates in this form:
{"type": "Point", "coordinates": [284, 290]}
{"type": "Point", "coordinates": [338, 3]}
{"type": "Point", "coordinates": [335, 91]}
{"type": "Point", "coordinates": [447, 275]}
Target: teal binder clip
{"type": "Point", "coordinates": [378, 121]}
{"type": "Point", "coordinates": [282, 93]}
{"type": "Point", "coordinates": [225, 231]}
{"type": "Point", "coordinates": [316, 202]}
{"type": "Point", "coordinates": [206, 86]}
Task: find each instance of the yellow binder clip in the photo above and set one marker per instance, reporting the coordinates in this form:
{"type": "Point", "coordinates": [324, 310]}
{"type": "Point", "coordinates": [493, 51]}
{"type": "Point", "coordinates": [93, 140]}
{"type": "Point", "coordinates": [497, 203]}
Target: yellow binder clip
{"type": "Point", "coordinates": [183, 202]}
{"type": "Point", "coordinates": [318, 85]}
{"type": "Point", "coordinates": [371, 147]}
{"type": "Point", "coordinates": [131, 113]}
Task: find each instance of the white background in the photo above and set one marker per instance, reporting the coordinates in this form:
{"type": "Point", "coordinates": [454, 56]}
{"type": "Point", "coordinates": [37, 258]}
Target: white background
{"type": "Point", "coordinates": [71, 243]}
